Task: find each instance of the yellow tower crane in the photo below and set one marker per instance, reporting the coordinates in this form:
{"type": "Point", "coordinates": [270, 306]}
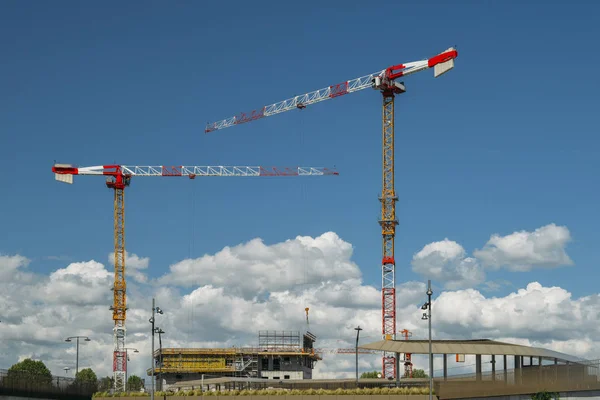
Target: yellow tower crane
{"type": "Point", "coordinates": [385, 82]}
{"type": "Point", "coordinates": [119, 177]}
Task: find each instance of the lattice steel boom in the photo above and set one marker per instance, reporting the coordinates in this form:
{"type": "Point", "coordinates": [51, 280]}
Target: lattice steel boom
{"type": "Point", "coordinates": [119, 179]}
{"type": "Point", "coordinates": [440, 62]}
{"type": "Point", "coordinates": [385, 82]}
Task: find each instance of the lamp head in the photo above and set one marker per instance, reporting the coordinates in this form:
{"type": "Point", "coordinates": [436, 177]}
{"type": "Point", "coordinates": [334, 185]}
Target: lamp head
{"type": "Point", "coordinates": [87, 339]}
{"type": "Point", "coordinates": [424, 306]}
{"type": "Point", "coordinates": [158, 310]}
{"type": "Point", "coordinates": [151, 320]}
{"type": "Point", "coordinates": [68, 340]}
{"type": "Point", "coordinates": [136, 351]}
{"type": "Point", "coordinates": [429, 292]}
{"type": "Point", "coordinates": [424, 317]}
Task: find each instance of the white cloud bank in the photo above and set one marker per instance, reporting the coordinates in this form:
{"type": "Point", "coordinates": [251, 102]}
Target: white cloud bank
{"type": "Point", "coordinates": [523, 251]}
{"type": "Point", "coordinates": [446, 261]}
{"type": "Point", "coordinates": [225, 298]}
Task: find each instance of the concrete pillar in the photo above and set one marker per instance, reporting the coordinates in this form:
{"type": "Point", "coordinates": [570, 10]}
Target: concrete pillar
{"type": "Point", "coordinates": [445, 367]}
{"type": "Point", "coordinates": [505, 367]}
{"type": "Point", "coordinates": [398, 372]}
{"type": "Point", "coordinates": [478, 366]}
{"type": "Point", "coordinates": [493, 367]}
{"type": "Point", "coordinates": [518, 369]}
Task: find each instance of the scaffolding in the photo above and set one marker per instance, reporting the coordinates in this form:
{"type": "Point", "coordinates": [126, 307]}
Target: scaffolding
{"type": "Point", "coordinates": [232, 361]}
{"type": "Point", "coordinates": [278, 340]}
{"type": "Point", "coordinates": [277, 351]}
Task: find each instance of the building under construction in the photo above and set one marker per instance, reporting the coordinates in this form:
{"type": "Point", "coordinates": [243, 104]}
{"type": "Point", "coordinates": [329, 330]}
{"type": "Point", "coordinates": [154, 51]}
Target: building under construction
{"type": "Point", "coordinates": [280, 355]}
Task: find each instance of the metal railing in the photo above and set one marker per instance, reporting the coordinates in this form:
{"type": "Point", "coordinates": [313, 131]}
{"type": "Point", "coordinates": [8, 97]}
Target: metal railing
{"type": "Point", "coordinates": [25, 384]}
{"type": "Point", "coordinates": [528, 379]}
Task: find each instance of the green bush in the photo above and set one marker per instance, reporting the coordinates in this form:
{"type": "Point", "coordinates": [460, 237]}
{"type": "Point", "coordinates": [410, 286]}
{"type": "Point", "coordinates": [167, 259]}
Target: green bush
{"type": "Point", "coordinates": [298, 392]}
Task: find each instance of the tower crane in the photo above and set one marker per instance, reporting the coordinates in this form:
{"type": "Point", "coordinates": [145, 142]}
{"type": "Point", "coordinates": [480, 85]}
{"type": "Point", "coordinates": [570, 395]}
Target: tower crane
{"type": "Point", "coordinates": [118, 178]}
{"type": "Point", "coordinates": [385, 82]}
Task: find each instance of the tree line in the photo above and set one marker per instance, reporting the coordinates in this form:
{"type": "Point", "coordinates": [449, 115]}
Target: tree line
{"type": "Point", "coordinates": [36, 373]}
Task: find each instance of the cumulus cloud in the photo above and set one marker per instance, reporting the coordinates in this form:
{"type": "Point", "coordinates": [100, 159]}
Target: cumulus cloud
{"type": "Point", "coordinates": [133, 265]}
{"type": "Point", "coordinates": [9, 265]}
{"type": "Point", "coordinates": [40, 311]}
{"type": "Point", "coordinates": [85, 283]}
{"type": "Point", "coordinates": [446, 262]}
{"type": "Point", "coordinates": [282, 266]}
{"type": "Point", "coordinates": [534, 313]}
{"type": "Point", "coordinates": [522, 251]}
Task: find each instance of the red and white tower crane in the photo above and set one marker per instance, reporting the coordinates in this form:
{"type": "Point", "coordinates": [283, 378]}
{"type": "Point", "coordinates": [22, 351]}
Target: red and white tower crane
{"type": "Point", "coordinates": [385, 82]}
{"type": "Point", "coordinates": [119, 177]}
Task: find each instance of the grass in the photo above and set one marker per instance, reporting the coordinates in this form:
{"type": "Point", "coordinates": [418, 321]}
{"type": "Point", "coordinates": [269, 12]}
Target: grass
{"type": "Point", "coordinates": [279, 392]}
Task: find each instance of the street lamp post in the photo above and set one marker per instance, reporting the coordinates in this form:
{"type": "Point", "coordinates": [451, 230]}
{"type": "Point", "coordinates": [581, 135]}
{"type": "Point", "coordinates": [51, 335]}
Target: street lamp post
{"type": "Point", "coordinates": [155, 310]}
{"type": "Point", "coordinates": [126, 362]}
{"type": "Point", "coordinates": [427, 316]}
{"type": "Point", "coordinates": [87, 339]}
{"type": "Point", "coordinates": [357, 329]}
{"type": "Point", "coordinates": [159, 331]}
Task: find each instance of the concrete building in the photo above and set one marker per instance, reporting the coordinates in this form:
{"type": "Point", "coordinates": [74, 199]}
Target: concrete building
{"type": "Point", "coordinates": [280, 355]}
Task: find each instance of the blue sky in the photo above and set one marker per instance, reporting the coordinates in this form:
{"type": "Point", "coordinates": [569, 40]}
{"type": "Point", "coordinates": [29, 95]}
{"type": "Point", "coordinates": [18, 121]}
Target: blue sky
{"type": "Point", "coordinates": [507, 141]}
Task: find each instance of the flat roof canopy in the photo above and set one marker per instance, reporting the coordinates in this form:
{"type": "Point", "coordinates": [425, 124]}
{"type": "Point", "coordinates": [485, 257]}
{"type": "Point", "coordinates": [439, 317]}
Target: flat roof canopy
{"type": "Point", "coordinates": [476, 346]}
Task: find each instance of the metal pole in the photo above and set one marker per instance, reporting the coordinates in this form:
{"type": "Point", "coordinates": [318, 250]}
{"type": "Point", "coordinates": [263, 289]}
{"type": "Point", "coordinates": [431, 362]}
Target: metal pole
{"type": "Point", "coordinates": [152, 355]}
{"type": "Point", "coordinates": [77, 359]}
{"type": "Point", "coordinates": [357, 329]}
{"type": "Point", "coordinates": [126, 366]}
{"type": "Point", "coordinates": [429, 293]}
{"type": "Point", "coordinates": [160, 359]}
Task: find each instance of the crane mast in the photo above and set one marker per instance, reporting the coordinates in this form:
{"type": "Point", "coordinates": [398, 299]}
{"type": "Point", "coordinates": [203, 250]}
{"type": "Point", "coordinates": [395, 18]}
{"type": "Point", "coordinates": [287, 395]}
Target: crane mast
{"type": "Point", "coordinates": [119, 307]}
{"type": "Point", "coordinates": [388, 224]}
{"type": "Point", "coordinates": [385, 82]}
{"type": "Point", "coordinates": [119, 177]}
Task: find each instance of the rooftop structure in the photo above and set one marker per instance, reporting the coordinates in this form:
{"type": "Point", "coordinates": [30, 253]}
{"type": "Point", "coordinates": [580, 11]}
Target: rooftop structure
{"type": "Point", "coordinates": [477, 347]}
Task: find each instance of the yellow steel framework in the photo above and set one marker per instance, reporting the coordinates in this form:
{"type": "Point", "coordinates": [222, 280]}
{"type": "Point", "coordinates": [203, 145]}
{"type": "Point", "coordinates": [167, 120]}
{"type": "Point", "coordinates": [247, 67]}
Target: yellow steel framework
{"type": "Point", "coordinates": [119, 286]}
{"type": "Point", "coordinates": [119, 297]}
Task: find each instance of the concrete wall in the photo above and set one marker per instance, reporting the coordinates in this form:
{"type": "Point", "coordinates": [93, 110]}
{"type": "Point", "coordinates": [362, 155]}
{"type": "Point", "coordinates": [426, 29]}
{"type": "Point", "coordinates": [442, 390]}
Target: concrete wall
{"type": "Point", "coordinates": [20, 398]}
{"type": "Point", "coordinates": [282, 375]}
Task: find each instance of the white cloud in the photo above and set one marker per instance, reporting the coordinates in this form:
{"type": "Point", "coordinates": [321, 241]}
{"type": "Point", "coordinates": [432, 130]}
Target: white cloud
{"type": "Point", "coordinates": [133, 265]}
{"type": "Point", "coordinates": [446, 262]}
{"type": "Point", "coordinates": [85, 283]}
{"type": "Point", "coordinates": [289, 265]}
{"type": "Point", "coordinates": [522, 251]}
{"type": "Point", "coordinates": [9, 265]}
{"type": "Point", "coordinates": [40, 311]}
{"type": "Point", "coordinates": [534, 313]}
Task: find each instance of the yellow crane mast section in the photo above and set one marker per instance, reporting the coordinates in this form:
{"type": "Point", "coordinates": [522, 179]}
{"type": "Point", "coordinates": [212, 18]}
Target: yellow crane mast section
{"type": "Point", "coordinates": [119, 297]}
